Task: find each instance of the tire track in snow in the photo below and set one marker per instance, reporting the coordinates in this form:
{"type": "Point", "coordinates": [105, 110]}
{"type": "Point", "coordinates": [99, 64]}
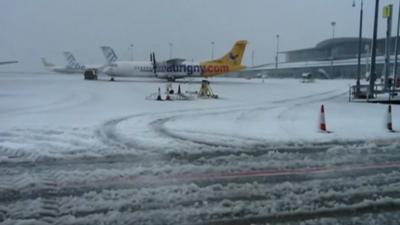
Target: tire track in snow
{"type": "Point", "coordinates": [119, 182]}
{"type": "Point", "coordinates": [71, 101]}
{"type": "Point", "coordinates": [109, 134]}
{"type": "Point", "coordinates": [282, 176]}
{"type": "Point", "coordinates": [159, 124]}
{"type": "Point", "coordinates": [37, 174]}
{"type": "Point", "coordinates": [284, 113]}
{"type": "Point", "coordinates": [344, 211]}
{"type": "Point", "coordinates": [196, 201]}
{"type": "Point", "coordinates": [135, 207]}
{"type": "Point", "coordinates": [53, 185]}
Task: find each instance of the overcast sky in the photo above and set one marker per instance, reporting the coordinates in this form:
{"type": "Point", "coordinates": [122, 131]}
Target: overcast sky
{"type": "Point", "coordinates": [30, 29]}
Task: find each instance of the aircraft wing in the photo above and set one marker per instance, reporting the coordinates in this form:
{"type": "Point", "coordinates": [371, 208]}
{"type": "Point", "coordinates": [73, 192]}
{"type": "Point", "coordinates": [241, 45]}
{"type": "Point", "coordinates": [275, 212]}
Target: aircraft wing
{"type": "Point", "coordinates": [176, 61]}
{"type": "Point", "coordinates": [8, 62]}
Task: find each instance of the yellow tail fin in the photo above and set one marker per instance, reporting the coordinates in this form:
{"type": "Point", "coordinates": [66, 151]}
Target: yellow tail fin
{"type": "Point", "coordinates": [230, 62]}
{"type": "Point", "coordinates": [235, 56]}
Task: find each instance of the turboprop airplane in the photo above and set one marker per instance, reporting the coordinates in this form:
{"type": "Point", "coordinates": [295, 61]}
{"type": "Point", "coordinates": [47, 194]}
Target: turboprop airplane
{"type": "Point", "coordinates": [179, 68]}
{"type": "Point", "coordinates": [73, 66]}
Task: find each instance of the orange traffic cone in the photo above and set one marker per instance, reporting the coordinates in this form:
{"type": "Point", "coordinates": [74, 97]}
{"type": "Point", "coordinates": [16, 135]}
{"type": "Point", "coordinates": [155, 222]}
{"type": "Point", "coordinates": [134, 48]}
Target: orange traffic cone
{"type": "Point", "coordinates": [389, 125]}
{"type": "Point", "coordinates": [159, 95]}
{"type": "Point", "coordinates": [322, 123]}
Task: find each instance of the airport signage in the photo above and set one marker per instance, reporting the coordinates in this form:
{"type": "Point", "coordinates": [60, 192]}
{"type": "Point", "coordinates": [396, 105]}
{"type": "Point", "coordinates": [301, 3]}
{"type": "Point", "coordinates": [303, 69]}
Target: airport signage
{"type": "Point", "coordinates": [387, 11]}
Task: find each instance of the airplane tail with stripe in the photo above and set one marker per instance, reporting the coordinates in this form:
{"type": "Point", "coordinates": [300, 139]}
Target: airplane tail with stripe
{"type": "Point", "coordinates": [72, 62]}
{"type": "Point", "coordinates": [109, 54]}
{"type": "Point", "coordinates": [46, 64]}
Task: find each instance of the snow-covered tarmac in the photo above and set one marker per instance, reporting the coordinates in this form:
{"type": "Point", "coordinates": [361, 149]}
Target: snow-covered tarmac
{"type": "Point", "coordinates": [86, 152]}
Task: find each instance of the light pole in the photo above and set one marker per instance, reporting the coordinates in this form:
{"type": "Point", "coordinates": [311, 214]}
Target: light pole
{"type": "Point", "coordinates": [388, 14]}
{"type": "Point", "coordinates": [372, 76]}
{"type": "Point", "coordinates": [359, 48]}
{"type": "Point", "coordinates": [212, 49]}
{"type": "Point", "coordinates": [252, 57]}
{"type": "Point", "coordinates": [131, 52]}
{"type": "Point", "coordinates": [333, 24]}
{"type": "Point", "coordinates": [396, 52]}
{"type": "Point", "coordinates": [277, 52]}
{"type": "Point", "coordinates": [170, 49]}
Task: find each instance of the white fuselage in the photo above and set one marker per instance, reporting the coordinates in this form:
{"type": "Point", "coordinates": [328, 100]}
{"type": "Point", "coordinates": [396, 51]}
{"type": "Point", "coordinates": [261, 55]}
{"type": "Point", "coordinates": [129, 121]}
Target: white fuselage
{"type": "Point", "coordinates": [71, 70]}
{"type": "Point", "coordinates": [145, 69]}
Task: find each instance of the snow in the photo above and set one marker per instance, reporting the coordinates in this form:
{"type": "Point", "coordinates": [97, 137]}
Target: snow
{"type": "Point", "coordinates": [297, 122]}
{"type": "Point", "coordinates": [92, 152]}
{"type": "Point", "coordinates": [277, 110]}
{"type": "Point", "coordinates": [63, 115]}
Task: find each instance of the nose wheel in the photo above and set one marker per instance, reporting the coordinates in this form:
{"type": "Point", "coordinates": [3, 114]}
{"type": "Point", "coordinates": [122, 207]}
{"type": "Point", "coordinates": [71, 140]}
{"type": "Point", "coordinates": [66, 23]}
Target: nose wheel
{"type": "Point", "coordinates": [112, 79]}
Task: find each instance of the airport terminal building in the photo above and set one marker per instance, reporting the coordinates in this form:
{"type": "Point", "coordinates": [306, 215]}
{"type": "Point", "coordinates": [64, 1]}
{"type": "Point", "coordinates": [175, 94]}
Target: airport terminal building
{"type": "Point", "coordinates": [332, 58]}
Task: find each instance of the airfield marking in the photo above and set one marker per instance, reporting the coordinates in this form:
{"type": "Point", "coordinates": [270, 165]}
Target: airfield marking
{"type": "Point", "coordinates": [148, 179]}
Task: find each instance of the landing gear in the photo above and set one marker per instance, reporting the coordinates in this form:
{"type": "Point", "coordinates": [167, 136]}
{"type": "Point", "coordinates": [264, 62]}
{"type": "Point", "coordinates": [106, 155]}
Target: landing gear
{"type": "Point", "coordinates": [206, 91]}
{"type": "Point", "coordinates": [112, 79]}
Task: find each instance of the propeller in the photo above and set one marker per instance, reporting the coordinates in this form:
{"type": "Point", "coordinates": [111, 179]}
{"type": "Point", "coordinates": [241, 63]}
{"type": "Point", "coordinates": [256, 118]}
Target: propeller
{"type": "Point", "coordinates": [154, 62]}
